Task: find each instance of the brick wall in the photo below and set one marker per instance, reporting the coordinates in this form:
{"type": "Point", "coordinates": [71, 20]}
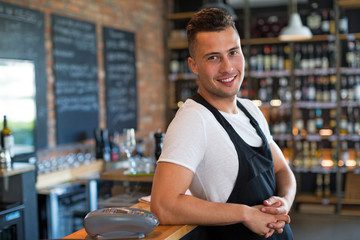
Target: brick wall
{"type": "Point", "coordinates": [143, 17]}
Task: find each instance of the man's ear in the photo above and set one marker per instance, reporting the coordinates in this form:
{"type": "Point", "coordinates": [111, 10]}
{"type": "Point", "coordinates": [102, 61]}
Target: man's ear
{"type": "Point", "coordinates": [193, 66]}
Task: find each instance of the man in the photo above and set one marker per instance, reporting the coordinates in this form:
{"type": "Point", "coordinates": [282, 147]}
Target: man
{"type": "Point", "coordinates": [219, 147]}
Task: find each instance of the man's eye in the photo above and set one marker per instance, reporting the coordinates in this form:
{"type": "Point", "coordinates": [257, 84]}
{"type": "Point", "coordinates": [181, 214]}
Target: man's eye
{"type": "Point", "coordinates": [212, 58]}
{"type": "Point", "coordinates": [234, 52]}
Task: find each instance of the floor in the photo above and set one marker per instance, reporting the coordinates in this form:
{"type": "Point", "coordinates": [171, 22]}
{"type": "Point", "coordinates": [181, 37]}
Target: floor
{"type": "Point", "coordinates": [321, 227]}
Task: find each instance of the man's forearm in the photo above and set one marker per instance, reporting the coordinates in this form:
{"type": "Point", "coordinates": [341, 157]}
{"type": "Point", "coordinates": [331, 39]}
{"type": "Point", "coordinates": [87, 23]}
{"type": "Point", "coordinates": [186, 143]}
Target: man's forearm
{"type": "Point", "coordinates": [286, 186]}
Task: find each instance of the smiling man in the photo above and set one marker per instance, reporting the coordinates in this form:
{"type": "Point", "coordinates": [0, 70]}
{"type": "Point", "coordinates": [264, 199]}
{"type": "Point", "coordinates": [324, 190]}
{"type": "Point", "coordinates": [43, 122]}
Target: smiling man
{"type": "Point", "coordinates": [219, 147]}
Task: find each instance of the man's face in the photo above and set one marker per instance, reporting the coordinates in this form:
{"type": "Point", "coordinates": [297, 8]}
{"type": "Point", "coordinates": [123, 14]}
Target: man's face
{"type": "Point", "coordinates": [219, 63]}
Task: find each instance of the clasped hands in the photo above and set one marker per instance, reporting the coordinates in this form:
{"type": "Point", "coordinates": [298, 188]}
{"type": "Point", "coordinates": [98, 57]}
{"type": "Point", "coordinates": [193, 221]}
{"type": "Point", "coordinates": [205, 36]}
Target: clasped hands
{"type": "Point", "coordinates": [275, 206]}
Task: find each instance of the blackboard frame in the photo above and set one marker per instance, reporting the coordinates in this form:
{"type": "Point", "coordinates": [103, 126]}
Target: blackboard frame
{"type": "Point", "coordinates": [25, 40]}
{"type": "Point", "coordinates": [76, 73]}
{"type": "Point", "coordinates": [120, 79]}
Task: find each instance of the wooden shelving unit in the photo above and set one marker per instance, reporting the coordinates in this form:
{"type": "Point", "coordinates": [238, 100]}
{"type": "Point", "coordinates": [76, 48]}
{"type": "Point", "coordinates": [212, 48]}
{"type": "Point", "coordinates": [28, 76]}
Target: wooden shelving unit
{"type": "Point", "coordinates": [336, 200]}
{"type": "Point", "coordinates": [349, 3]}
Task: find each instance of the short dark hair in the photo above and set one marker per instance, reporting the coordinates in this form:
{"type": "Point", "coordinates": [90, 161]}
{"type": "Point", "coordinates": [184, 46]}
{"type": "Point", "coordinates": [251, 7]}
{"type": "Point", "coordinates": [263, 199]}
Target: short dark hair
{"type": "Point", "coordinates": [207, 20]}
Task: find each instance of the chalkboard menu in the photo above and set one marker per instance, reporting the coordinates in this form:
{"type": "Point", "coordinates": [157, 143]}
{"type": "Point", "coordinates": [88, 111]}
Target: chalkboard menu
{"type": "Point", "coordinates": [120, 77]}
{"type": "Point", "coordinates": [76, 79]}
{"type": "Point", "coordinates": [22, 38]}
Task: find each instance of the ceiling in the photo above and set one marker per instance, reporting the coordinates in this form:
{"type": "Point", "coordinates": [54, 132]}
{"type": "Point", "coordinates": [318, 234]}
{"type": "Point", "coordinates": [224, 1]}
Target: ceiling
{"type": "Point", "coordinates": [260, 3]}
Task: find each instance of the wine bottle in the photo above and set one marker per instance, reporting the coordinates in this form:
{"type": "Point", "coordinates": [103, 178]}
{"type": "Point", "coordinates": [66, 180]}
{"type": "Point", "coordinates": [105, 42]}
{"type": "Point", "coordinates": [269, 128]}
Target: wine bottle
{"type": "Point", "coordinates": [267, 58]}
{"type": "Point", "coordinates": [7, 139]}
{"type": "Point", "coordinates": [106, 149]}
{"type": "Point", "coordinates": [351, 88]}
{"type": "Point", "coordinates": [287, 62]}
{"type": "Point", "coordinates": [319, 121]}
{"type": "Point", "coordinates": [333, 92]}
{"type": "Point", "coordinates": [299, 160]}
{"type": "Point", "coordinates": [158, 144]}
{"type": "Point", "coordinates": [357, 53]}
{"type": "Point", "coordinates": [311, 57]}
{"type": "Point", "coordinates": [325, 56]}
{"type": "Point", "coordinates": [356, 118]}
{"type": "Point", "coordinates": [260, 61]}
{"type": "Point", "coordinates": [298, 90]}
{"type": "Point", "coordinates": [313, 155]}
{"type": "Point", "coordinates": [326, 96]}
{"type": "Point", "coordinates": [318, 56]}
{"type": "Point", "coordinates": [299, 122]}
{"type": "Point", "coordinates": [331, 22]}
{"type": "Point", "coordinates": [327, 191]}
{"type": "Point", "coordinates": [344, 152]}
{"type": "Point", "coordinates": [343, 128]}
{"type": "Point", "coordinates": [357, 154]}
{"type": "Point", "coordinates": [274, 58]}
{"type": "Point", "coordinates": [357, 88]}
{"type": "Point", "coordinates": [98, 144]}
{"type": "Point", "coordinates": [283, 121]}
{"type": "Point", "coordinates": [313, 20]}
{"type": "Point", "coordinates": [269, 88]}
{"type": "Point", "coordinates": [174, 63]}
{"type": "Point", "coordinates": [325, 22]}
{"type": "Point", "coordinates": [311, 91]}
{"type": "Point", "coordinates": [332, 121]}
{"type": "Point", "coordinates": [343, 22]}
{"type": "Point", "coordinates": [262, 90]}
{"type": "Point", "coordinates": [331, 54]}
{"type": "Point", "coordinates": [311, 122]}
{"type": "Point", "coordinates": [350, 122]}
{"type": "Point", "coordinates": [304, 58]}
{"type": "Point", "coordinates": [281, 58]}
{"type": "Point", "coordinates": [306, 155]}
{"type": "Point", "coordinates": [298, 57]}
{"type": "Point", "coordinates": [319, 185]}
{"type": "Point", "coordinates": [344, 93]}
{"type": "Point", "coordinates": [319, 88]}
{"type": "Point", "coordinates": [253, 59]}
{"type": "Point", "coordinates": [351, 54]}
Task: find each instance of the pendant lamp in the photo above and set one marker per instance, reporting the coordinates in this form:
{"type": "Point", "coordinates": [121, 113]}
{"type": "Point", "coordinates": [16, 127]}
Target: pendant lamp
{"type": "Point", "coordinates": [295, 30]}
{"type": "Point", "coordinates": [220, 5]}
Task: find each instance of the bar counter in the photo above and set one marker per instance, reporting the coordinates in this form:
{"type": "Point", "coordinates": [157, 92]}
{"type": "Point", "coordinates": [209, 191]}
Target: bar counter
{"type": "Point", "coordinates": [168, 232]}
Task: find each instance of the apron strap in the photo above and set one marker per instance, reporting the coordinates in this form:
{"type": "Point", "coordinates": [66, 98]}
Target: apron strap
{"type": "Point", "coordinates": [199, 99]}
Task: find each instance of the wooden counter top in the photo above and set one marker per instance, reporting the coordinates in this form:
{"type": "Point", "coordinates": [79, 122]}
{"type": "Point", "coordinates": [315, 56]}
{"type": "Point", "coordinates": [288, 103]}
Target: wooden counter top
{"type": "Point", "coordinates": [69, 174]}
{"type": "Point", "coordinates": [17, 168]}
{"type": "Point", "coordinates": [118, 175]}
{"type": "Point", "coordinates": [168, 232]}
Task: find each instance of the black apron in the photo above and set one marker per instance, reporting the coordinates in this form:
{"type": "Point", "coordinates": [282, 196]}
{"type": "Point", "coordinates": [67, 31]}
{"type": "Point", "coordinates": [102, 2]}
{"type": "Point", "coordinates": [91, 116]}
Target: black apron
{"type": "Point", "coordinates": [255, 180]}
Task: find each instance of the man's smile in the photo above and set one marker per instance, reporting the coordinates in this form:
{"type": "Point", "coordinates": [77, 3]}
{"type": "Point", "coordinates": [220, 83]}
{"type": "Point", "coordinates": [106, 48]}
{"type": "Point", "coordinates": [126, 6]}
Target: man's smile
{"type": "Point", "coordinates": [228, 80]}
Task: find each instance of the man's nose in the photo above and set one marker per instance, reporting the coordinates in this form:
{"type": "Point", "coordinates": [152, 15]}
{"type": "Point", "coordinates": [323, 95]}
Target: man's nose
{"type": "Point", "coordinates": [226, 65]}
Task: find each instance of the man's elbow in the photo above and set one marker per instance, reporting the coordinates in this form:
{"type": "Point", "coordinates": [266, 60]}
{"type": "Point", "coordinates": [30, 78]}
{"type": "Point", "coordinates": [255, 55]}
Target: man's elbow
{"type": "Point", "coordinates": [160, 212]}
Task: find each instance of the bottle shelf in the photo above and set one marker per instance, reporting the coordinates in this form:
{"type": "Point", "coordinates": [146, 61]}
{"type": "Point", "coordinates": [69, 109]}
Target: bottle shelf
{"type": "Point", "coordinates": [182, 44]}
{"type": "Point", "coordinates": [182, 76]}
{"type": "Point", "coordinates": [263, 74]}
{"type": "Point", "coordinates": [304, 72]}
{"type": "Point", "coordinates": [282, 137]}
{"type": "Point", "coordinates": [320, 72]}
{"type": "Point", "coordinates": [313, 170]}
{"type": "Point", "coordinates": [312, 198]}
{"type": "Point", "coordinates": [314, 105]}
{"type": "Point", "coordinates": [349, 3]}
{"type": "Point", "coordinates": [180, 15]}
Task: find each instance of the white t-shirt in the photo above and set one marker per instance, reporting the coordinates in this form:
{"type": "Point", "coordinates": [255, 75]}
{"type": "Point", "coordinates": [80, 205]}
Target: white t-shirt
{"type": "Point", "coordinates": [197, 141]}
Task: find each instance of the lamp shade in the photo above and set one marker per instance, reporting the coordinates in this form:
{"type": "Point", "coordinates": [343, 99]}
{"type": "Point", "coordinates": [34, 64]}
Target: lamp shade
{"type": "Point", "coordinates": [295, 31]}
{"type": "Point", "coordinates": [219, 4]}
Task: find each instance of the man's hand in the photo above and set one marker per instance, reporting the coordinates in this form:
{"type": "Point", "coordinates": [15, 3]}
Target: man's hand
{"type": "Point", "coordinates": [272, 222]}
{"type": "Point", "coordinates": [276, 206]}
